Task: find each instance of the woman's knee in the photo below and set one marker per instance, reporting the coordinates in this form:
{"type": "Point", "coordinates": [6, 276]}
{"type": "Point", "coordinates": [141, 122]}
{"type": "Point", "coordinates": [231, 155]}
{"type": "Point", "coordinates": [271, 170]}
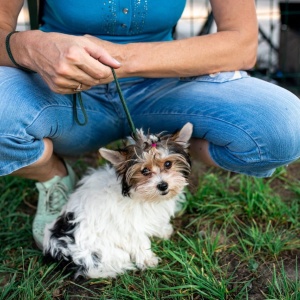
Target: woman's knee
{"type": "Point", "coordinates": [264, 141]}
{"type": "Point", "coordinates": [21, 104]}
{"type": "Point", "coordinates": [281, 129]}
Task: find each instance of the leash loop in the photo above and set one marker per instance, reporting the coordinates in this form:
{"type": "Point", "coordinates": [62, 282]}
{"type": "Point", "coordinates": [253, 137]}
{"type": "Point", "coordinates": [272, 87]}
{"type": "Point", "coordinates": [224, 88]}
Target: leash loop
{"type": "Point", "coordinates": [82, 109]}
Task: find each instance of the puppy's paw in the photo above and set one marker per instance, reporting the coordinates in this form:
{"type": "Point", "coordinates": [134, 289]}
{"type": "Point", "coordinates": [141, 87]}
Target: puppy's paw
{"type": "Point", "coordinates": [149, 262]}
{"type": "Point", "coordinates": [152, 261]}
{"type": "Point", "coordinates": [166, 232]}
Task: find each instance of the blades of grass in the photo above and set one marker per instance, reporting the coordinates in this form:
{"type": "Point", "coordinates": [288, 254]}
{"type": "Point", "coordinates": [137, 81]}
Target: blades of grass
{"type": "Point", "coordinates": [282, 286]}
{"type": "Point", "coordinates": [257, 239]}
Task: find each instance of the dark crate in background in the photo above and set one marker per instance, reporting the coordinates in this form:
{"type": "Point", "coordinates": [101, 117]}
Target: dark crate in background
{"type": "Point", "coordinates": [289, 46]}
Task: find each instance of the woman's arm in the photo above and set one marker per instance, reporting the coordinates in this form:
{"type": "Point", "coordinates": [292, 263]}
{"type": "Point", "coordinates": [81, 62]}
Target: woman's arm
{"type": "Point", "coordinates": [233, 47]}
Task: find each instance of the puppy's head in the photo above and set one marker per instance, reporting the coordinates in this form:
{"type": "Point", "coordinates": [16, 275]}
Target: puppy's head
{"type": "Point", "coordinates": [153, 167]}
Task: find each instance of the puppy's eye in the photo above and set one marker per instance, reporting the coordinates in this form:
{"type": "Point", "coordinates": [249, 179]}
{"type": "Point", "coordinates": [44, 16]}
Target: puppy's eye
{"type": "Point", "coordinates": [146, 172]}
{"type": "Point", "coordinates": [168, 164]}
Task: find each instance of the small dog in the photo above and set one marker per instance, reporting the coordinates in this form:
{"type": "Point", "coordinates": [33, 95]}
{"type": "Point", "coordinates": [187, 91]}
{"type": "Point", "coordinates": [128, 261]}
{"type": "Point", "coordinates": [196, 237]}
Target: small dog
{"type": "Point", "coordinates": [105, 227]}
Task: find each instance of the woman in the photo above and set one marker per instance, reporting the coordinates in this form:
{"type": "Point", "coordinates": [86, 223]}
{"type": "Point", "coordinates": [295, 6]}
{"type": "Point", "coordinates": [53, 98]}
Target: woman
{"type": "Point", "coordinates": [241, 124]}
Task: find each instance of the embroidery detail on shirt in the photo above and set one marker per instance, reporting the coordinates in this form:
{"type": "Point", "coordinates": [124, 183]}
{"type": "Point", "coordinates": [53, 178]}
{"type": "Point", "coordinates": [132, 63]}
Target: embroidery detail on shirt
{"type": "Point", "coordinates": [109, 10]}
{"type": "Point", "coordinates": [140, 10]}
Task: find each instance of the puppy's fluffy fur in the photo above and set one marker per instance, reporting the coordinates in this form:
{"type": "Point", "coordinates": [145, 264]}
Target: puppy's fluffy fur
{"type": "Point", "coordinates": [106, 226]}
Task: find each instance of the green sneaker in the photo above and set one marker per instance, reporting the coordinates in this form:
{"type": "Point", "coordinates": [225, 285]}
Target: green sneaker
{"type": "Point", "coordinates": [53, 195]}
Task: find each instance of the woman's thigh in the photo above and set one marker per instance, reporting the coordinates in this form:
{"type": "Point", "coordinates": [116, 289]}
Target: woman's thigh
{"type": "Point", "coordinates": [252, 126]}
{"type": "Point", "coordinates": [30, 112]}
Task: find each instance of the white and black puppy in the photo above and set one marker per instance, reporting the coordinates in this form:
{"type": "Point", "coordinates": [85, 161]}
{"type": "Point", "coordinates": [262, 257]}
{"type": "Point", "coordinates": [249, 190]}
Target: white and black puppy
{"type": "Point", "coordinates": [105, 227]}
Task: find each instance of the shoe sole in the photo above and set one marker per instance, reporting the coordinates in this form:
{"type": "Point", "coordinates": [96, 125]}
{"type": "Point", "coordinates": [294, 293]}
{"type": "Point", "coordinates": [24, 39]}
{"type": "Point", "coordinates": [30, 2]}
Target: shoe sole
{"type": "Point", "coordinates": [38, 244]}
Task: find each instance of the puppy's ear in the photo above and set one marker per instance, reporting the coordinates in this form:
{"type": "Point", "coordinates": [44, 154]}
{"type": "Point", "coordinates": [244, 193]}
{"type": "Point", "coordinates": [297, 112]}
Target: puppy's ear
{"type": "Point", "coordinates": [183, 136]}
{"type": "Point", "coordinates": [115, 157]}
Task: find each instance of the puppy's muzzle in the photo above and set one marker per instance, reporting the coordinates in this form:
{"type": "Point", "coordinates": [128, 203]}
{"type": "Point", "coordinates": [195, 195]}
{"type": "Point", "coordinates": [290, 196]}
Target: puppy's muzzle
{"type": "Point", "coordinates": [163, 187]}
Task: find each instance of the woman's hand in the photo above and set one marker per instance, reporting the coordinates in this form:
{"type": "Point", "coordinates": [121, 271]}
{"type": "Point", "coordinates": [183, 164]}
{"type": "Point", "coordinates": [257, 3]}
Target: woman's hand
{"type": "Point", "coordinates": [64, 61]}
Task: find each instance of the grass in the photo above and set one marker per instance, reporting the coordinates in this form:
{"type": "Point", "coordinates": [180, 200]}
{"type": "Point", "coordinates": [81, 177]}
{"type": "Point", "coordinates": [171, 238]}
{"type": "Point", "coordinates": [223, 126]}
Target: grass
{"type": "Point", "coordinates": [237, 237]}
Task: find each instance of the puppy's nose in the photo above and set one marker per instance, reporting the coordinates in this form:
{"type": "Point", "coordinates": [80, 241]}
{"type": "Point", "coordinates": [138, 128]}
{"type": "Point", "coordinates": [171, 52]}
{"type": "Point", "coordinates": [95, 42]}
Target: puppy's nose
{"type": "Point", "coordinates": [162, 186]}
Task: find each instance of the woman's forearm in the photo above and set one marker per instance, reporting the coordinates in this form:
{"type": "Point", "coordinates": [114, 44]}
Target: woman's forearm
{"type": "Point", "coordinates": [223, 51]}
{"type": "Point", "coordinates": [232, 47]}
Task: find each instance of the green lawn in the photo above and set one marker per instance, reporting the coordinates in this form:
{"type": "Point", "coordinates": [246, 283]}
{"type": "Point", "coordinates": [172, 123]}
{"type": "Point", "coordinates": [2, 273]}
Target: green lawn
{"type": "Point", "coordinates": [236, 238]}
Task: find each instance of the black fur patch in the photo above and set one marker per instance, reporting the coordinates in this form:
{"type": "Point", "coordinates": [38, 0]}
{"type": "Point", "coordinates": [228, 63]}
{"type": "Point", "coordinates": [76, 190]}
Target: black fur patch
{"type": "Point", "coordinates": [96, 259]}
{"type": "Point", "coordinates": [66, 266]}
{"type": "Point", "coordinates": [63, 227]}
{"type": "Point", "coordinates": [125, 187]}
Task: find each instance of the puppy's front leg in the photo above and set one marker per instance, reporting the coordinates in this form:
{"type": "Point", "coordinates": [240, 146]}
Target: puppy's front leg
{"type": "Point", "coordinates": [165, 231]}
{"type": "Point", "coordinates": [143, 256]}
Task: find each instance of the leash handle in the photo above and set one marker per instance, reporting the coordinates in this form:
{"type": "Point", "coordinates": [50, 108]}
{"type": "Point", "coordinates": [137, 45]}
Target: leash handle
{"type": "Point", "coordinates": [85, 117]}
{"type": "Point", "coordinates": [133, 129]}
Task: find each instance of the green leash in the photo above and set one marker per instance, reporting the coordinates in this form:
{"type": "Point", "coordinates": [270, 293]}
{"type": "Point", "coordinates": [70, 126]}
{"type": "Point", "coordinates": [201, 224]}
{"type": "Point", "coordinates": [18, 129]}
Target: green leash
{"type": "Point", "coordinates": [133, 129]}
{"type": "Point", "coordinates": [85, 117]}
{"type": "Point", "coordinates": [78, 95]}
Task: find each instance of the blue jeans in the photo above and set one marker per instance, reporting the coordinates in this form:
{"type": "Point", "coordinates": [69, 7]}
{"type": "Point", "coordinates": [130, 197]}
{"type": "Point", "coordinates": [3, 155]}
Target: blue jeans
{"type": "Point", "coordinates": [252, 126]}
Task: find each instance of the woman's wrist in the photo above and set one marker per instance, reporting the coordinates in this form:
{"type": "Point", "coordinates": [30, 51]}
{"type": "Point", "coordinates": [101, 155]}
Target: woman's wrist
{"type": "Point", "coordinates": [19, 45]}
{"type": "Point", "coordinates": [10, 54]}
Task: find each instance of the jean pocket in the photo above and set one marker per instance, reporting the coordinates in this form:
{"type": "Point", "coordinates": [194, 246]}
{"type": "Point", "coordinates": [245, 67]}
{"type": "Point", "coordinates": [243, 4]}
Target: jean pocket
{"type": "Point", "coordinates": [218, 77]}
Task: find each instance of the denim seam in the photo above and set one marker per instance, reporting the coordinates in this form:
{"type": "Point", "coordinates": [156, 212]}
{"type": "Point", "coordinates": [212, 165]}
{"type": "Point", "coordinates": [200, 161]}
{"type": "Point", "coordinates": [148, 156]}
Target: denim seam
{"type": "Point", "coordinates": [14, 136]}
{"type": "Point", "coordinates": [58, 105]}
{"type": "Point", "coordinates": [61, 106]}
{"type": "Point", "coordinates": [40, 112]}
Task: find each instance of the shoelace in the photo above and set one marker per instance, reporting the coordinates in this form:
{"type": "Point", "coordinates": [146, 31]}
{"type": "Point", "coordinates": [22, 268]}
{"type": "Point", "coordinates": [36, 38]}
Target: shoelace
{"type": "Point", "coordinates": [53, 204]}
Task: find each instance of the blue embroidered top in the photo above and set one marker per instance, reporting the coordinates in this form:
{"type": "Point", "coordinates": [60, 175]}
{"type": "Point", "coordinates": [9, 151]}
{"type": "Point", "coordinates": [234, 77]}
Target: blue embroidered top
{"type": "Point", "coordinates": [119, 21]}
